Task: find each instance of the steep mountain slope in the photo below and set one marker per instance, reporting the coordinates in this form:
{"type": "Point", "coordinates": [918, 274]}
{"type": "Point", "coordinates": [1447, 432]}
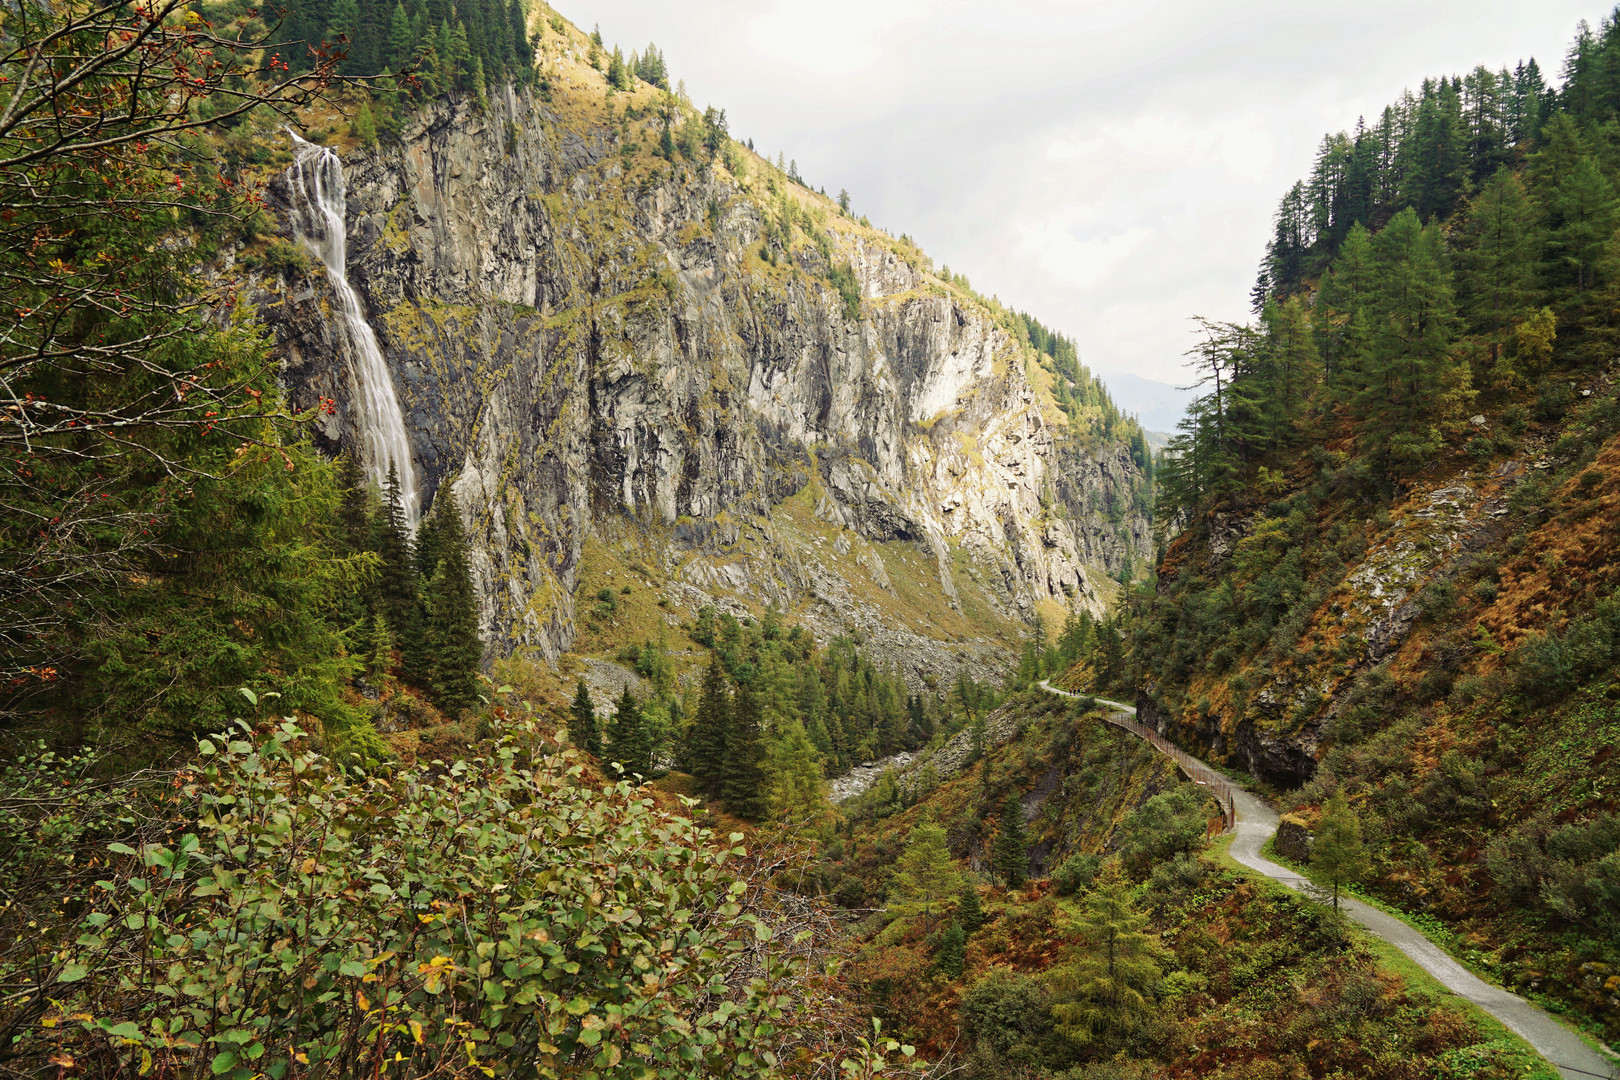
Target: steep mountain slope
{"type": "Point", "coordinates": [1397, 577]}
{"type": "Point", "coordinates": [712, 371]}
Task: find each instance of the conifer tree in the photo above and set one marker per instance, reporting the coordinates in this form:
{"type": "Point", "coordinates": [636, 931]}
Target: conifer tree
{"type": "Point", "coordinates": [1294, 367]}
{"type": "Point", "coordinates": [1103, 986]}
{"type": "Point", "coordinates": [354, 537]}
{"type": "Point", "coordinates": [401, 42]}
{"type": "Point", "coordinates": [650, 68]}
{"type": "Point", "coordinates": [919, 725]}
{"type": "Point", "coordinates": [618, 73]}
{"type": "Point", "coordinates": [1010, 853]}
{"type": "Point", "coordinates": [1583, 216]}
{"type": "Point", "coordinates": [1338, 856]}
{"type": "Point", "coordinates": [583, 730]}
{"type": "Point", "coordinates": [396, 595]}
{"type": "Point", "coordinates": [1109, 657]}
{"type": "Point", "coordinates": [1498, 239]}
{"type": "Point", "coordinates": [795, 789]}
{"type": "Point", "coordinates": [969, 910]}
{"type": "Point", "coordinates": [711, 731]}
{"type": "Point", "coordinates": [925, 874]}
{"type": "Point", "coordinates": [950, 956]}
{"type": "Point", "coordinates": [450, 628]}
{"type": "Point", "coordinates": [459, 54]}
{"type": "Point", "coordinates": [380, 654]}
{"type": "Point", "coordinates": [1413, 382]}
{"type": "Point", "coordinates": [1343, 321]}
{"type": "Point", "coordinates": [629, 739]}
{"type": "Point", "coordinates": [743, 776]}
{"type": "Point", "coordinates": [354, 510]}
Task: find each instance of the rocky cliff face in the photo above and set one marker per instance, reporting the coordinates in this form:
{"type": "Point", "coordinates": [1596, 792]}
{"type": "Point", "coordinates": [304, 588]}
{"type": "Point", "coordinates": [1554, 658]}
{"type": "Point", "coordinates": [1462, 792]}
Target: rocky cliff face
{"type": "Point", "coordinates": [588, 340]}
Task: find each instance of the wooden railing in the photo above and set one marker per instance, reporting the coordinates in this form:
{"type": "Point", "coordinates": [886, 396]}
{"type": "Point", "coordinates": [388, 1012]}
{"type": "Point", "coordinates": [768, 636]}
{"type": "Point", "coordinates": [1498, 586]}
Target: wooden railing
{"type": "Point", "coordinates": [1195, 770]}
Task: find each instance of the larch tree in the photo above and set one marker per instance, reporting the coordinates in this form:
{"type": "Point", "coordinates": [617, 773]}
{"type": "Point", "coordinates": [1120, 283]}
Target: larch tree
{"type": "Point", "coordinates": [795, 789]}
{"type": "Point", "coordinates": [1103, 985]}
{"type": "Point", "coordinates": [1499, 240]}
{"type": "Point", "coordinates": [1415, 383]}
{"type": "Point", "coordinates": [1338, 856]}
{"type": "Point", "coordinates": [926, 874]}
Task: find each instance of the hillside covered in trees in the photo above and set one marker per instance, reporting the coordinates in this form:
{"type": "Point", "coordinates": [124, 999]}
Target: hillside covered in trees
{"type": "Point", "coordinates": [1393, 516]}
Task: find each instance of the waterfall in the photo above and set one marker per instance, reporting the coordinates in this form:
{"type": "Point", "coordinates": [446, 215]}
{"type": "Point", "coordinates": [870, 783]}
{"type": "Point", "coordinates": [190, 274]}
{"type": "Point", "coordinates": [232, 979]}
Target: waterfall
{"type": "Point", "coordinates": [319, 207]}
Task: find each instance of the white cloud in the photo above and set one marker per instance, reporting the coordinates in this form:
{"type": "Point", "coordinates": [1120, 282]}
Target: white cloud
{"type": "Point", "coordinates": [1076, 256]}
{"type": "Point", "coordinates": [831, 38]}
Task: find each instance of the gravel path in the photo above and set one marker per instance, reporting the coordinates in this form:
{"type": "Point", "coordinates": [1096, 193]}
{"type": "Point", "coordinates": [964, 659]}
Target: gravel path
{"type": "Point", "coordinates": [1256, 822]}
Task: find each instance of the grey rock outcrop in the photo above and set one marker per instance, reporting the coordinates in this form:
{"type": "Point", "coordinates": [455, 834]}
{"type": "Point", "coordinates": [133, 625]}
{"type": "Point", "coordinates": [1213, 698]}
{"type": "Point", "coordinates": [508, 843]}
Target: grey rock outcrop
{"type": "Point", "coordinates": [573, 342]}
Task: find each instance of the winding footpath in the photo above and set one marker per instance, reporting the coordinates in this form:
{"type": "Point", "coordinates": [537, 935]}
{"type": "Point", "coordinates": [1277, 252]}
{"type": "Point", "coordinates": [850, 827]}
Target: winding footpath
{"type": "Point", "coordinates": [1256, 822]}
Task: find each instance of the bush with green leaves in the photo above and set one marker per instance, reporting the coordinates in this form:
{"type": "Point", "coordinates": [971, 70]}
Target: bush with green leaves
{"type": "Point", "coordinates": [1076, 873]}
{"type": "Point", "coordinates": [1169, 823]}
{"type": "Point", "coordinates": [288, 916]}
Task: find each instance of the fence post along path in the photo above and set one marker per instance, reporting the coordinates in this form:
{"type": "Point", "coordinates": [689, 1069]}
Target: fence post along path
{"type": "Point", "coordinates": [1254, 823]}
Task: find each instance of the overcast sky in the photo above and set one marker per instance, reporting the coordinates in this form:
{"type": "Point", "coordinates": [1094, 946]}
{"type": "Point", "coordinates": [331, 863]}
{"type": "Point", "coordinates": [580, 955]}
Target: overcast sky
{"type": "Point", "coordinates": [1112, 168]}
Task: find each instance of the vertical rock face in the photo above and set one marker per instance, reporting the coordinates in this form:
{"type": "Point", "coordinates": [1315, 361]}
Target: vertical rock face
{"type": "Point", "coordinates": [575, 345]}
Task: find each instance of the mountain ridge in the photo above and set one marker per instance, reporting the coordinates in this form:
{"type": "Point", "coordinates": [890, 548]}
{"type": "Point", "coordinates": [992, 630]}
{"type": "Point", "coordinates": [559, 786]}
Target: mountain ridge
{"type": "Point", "coordinates": [512, 257]}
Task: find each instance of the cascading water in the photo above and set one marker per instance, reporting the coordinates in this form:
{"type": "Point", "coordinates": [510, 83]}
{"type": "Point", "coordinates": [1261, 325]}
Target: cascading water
{"type": "Point", "coordinates": [317, 182]}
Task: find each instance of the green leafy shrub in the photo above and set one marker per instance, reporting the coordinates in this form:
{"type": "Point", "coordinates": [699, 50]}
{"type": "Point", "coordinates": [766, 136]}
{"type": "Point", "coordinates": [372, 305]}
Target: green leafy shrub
{"type": "Point", "coordinates": [283, 258]}
{"type": "Point", "coordinates": [1166, 825]}
{"type": "Point", "coordinates": [294, 918]}
{"type": "Point", "coordinates": [1077, 873]}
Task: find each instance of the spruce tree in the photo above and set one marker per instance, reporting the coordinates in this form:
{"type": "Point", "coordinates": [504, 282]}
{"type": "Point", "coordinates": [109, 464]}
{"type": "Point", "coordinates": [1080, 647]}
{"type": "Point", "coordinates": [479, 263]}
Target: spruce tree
{"type": "Point", "coordinates": [450, 629]}
{"type": "Point", "coordinates": [919, 725]}
{"type": "Point", "coordinates": [711, 730]}
{"type": "Point", "coordinates": [396, 592]}
{"type": "Point", "coordinates": [354, 506]}
{"type": "Point", "coordinates": [583, 731]}
{"type": "Point", "coordinates": [629, 739]}
{"type": "Point", "coordinates": [459, 55]}
{"type": "Point", "coordinates": [380, 654]}
{"type": "Point", "coordinates": [969, 911]}
{"type": "Point", "coordinates": [743, 775]}
{"type": "Point", "coordinates": [1010, 853]}
{"type": "Point", "coordinates": [948, 960]}
{"type": "Point", "coordinates": [401, 42]}
{"type": "Point", "coordinates": [354, 538]}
